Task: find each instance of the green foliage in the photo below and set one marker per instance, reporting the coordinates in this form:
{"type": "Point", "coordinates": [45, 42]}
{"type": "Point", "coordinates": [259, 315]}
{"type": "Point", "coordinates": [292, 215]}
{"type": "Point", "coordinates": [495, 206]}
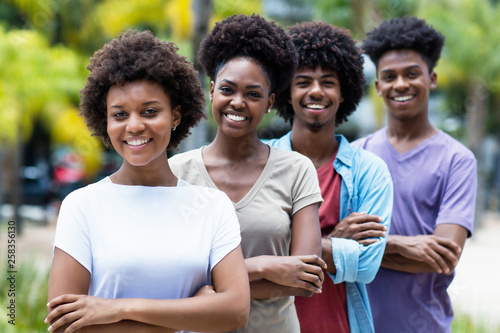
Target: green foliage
{"type": "Point", "coordinates": [39, 82]}
{"type": "Point", "coordinates": [225, 8]}
{"type": "Point", "coordinates": [463, 323]}
{"type": "Point", "coordinates": [31, 287]}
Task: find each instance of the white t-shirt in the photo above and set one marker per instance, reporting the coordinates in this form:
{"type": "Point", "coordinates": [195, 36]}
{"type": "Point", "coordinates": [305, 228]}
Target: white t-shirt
{"type": "Point", "coordinates": [147, 242]}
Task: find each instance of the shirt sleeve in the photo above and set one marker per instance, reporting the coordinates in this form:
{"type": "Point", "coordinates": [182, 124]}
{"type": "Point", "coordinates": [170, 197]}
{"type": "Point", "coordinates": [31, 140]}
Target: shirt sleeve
{"type": "Point", "coordinates": [305, 189]}
{"type": "Point", "coordinates": [227, 234]}
{"type": "Point", "coordinates": [72, 231]}
{"type": "Point", "coordinates": [459, 200]}
{"type": "Point", "coordinates": [360, 263]}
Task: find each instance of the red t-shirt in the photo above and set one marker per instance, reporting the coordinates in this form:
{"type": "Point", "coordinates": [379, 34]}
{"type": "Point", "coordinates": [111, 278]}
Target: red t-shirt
{"type": "Point", "coordinates": [326, 312]}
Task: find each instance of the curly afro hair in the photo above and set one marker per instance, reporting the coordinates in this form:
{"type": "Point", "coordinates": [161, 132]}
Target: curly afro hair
{"type": "Point", "coordinates": [134, 56]}
{"type": "Point", "coordinates": [404, 33]}
{"type": "Point", "coordinates": [323, 45]}
{"type": "Point", "coordinates": [253, 37]}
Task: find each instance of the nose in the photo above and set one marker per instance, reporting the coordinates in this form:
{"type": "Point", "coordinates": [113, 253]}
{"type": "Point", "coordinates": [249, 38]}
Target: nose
{"type": "Point", "coordinates": [400, 83]}
{"type": "Point", "coordinates": [135, 124]}
{"type": "Point", "coordinates": [316, 90]}
{"type": "Point", "coordinates": [238, 102]}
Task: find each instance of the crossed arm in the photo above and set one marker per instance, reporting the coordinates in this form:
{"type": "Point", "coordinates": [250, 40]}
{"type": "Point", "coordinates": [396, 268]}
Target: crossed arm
{"type": "Point", "coordinates": [437, 253]}
{"type": "Point", "coordinates": [70, 309]}
{"type": "Point", "coordinates": [299, 274]}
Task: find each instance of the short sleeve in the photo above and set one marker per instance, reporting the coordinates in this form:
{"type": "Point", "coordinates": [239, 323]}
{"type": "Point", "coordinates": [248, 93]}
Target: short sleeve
{"type": "Point", "coordinates": [305, 189]}
{"type": "Point", "coordinates": [72, 231]}
{"type": "Point", "coordinates": [459, 200]}
{"type": "Point", "coordinates": [227, 232]}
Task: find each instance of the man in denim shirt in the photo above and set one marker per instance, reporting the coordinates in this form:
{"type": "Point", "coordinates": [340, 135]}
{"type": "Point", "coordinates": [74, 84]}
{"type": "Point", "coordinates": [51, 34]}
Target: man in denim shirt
{"type": "Point", "coordinates": [355, 184]}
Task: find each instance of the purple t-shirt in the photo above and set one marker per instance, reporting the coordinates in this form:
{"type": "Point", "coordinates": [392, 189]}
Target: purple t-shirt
{"type": "Point", "coordinates": [434, 183]}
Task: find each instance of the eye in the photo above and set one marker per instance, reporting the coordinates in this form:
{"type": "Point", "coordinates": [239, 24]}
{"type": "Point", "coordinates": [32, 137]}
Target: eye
{"type": "Point", "coordinates": [412, 75]}
{"type": "Point", "coordinates": [226, 89]}
{"type": "Point", "coordinates": [388, 77]}
{"type": "Point", "coordinates": [302, 84]}
{"type": "Point", "coordinates": [328, 83]}
{"type": "Point", "coordinates": [149, 112]}
{"type": "Point", "coordinates": [118, 114]}
{"type": "Point", "coordinates": [254, 94]}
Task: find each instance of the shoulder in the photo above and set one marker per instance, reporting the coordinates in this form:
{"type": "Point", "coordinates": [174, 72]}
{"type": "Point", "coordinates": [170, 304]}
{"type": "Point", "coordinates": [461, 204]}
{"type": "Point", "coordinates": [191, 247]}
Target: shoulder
{"type": "Point", "coordinates": [373, 138]}
{"type": "Point", "coordinates": [292, 159]}
{"type": "Point", "coordinates": [181, 158]}
{"type": "Point", "coordinates": [183, 161]}
{"type": "Point", "coordinates": [86, 192]}
{"type": "Point", "coordinates": [453, 147]}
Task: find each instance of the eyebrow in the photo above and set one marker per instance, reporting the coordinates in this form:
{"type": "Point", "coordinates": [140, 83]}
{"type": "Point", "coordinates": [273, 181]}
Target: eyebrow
{"type": "Point", "coordinates": [118, 106]}
{"type": "Point", "coordinates": [406, 68]}
{"type": "Point", "coordinates": [302, 76]}
{"type": "Point", "coordinates": [250, 86]}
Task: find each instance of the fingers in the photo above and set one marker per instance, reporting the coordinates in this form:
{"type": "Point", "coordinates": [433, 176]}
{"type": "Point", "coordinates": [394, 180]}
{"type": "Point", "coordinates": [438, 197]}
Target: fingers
{"type": "Point", "coordinates": [314, 260]}
{"type": "Point", "coordinates": [60, 310]}
{"type": "Point", "coordinates": [68, 298]}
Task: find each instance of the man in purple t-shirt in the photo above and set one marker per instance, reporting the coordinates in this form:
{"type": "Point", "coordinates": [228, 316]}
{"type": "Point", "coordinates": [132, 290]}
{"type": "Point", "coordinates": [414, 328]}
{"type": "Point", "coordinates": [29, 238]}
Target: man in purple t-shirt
{"type": "Point", "coordinates": [434, 184]}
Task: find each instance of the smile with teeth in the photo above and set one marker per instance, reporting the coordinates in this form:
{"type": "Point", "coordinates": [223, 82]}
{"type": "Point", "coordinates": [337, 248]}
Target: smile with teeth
{"type": "Point", "coordinates": [137, 142]}
{"type": "Point", "coordinates": [234, 117]}
{"type": "Point", "coordinates": [403, 98]}
{"type": "Point", "coordinates": [315, 106]}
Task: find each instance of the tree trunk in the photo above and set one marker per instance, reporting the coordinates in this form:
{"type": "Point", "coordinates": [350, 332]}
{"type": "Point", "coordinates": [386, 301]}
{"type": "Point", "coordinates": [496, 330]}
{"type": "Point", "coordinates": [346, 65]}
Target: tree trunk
{"type": "Point", "coordinates": [476, 109]}
{"type": "Point", "coordinates": [202, 12]}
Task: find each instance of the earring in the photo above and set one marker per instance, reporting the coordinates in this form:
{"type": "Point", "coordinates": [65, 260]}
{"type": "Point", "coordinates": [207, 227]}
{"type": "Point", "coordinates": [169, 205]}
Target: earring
{"type": "Point", "coordinates": [268, 110]}
{"type": "Point", "coordinates": [210, 99]}
{"type": "Point", "coordinates": [173, 129]}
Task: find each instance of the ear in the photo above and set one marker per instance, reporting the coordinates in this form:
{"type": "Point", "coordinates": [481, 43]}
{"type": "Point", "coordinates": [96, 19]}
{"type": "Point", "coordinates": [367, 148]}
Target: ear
{"type": "Point", "coordinates": [176, 116]}
{"type": "Point", "coordinates": [211, 90]}
{"type": "Point", "coordinates": [376, 87]}
{"type": "Point", "coordinates": [270, 101]}
{"type": "Point", "coordinates": [433, 79]}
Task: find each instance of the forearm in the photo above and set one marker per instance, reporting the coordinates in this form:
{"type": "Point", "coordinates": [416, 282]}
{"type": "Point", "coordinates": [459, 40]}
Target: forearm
{"type": "Point", "coordinates": [202, 313]}
{"type": "Point", "coordinates": [421, 253]}
{"type": "Point", "coordinates": [261, 289]}
{"type": "Point", "coordinates": [126, 326]}
{"type": "Point", "coordinates": [399, 263]}
{"type": "Point", "coordinates": [327, 256]}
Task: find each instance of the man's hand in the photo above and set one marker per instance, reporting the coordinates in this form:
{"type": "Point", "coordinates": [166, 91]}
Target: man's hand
{"type": "Point", "coordinates": [361, 227]}
{"type": "Point", "coordinates": [440, 253]}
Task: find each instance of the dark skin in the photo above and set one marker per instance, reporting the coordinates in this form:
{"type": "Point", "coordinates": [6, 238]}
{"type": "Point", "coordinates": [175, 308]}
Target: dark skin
{"type": "Point", "coordinates": [313, 135]}
{"type": "Point", "coordinates": [405, 73]}
{"type": "Point", "coordinates": [240, 97]}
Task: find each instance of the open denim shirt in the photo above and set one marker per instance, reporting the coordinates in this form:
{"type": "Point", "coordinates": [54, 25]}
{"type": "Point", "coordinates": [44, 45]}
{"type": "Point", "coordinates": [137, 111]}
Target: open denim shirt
{"type": "Point", "coordinates": [366, 187]}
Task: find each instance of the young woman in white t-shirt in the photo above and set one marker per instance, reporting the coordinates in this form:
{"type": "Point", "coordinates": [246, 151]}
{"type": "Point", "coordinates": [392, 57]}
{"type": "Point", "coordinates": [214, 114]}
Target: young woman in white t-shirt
{"type": "Point", "coordinates": [142, 250]}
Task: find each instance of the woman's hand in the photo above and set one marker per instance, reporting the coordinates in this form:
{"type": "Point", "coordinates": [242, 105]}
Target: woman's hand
{"type": "Point", "coordinates": [292, 271]}
{"type": "Point", "coordinates": [81, 310]}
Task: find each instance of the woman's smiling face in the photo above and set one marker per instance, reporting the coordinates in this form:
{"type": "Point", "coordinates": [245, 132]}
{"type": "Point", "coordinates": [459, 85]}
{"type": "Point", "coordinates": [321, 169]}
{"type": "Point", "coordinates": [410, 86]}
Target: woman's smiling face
{"type": "Point", "coordinates": [240, 97]}
{"type": "Point", "coordinates": [140, 120]}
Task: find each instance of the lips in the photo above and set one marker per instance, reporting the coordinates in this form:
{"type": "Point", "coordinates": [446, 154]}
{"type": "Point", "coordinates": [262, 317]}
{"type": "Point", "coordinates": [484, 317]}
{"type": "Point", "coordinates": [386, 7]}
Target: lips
{"type": "Point", "coordinates": [137, 142]}
{"type": "Point", "coordinates": [315, 107]}
{"type": "Point", "coordinates": [236, 118]}
{"type": "Point", "coordinates": [403, 98]}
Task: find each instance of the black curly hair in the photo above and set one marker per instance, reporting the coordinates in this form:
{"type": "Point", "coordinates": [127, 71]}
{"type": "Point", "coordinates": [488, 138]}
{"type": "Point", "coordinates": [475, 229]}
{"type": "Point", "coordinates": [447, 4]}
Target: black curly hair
{"type": "Point", "coordinates": [134, 56]}
{"type": "Point", "coordinates": [253, 37]}
{"type": "Point", "coordinates": [404, 33]}
{"type": "Point", "coordinates": [323, 45]}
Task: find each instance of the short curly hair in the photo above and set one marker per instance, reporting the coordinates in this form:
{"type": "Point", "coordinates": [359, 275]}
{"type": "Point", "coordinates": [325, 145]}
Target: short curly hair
{"type": "Point", "coordinates": [134, 56]}
{"type": "Point", "coordinates": [323, 45]}
{"type": "Point", "coordinates": [404, 33]}
{"type": "Point", "coordinates": [253, 37]}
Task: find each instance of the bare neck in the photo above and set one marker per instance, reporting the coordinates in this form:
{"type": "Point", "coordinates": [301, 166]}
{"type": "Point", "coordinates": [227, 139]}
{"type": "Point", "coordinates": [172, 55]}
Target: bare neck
{"type": "Point", "coordinates": [318, 145]}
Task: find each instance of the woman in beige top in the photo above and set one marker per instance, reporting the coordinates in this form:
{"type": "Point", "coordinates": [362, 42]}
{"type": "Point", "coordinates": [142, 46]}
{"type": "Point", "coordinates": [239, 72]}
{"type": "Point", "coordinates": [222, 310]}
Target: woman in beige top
{"type": "Point", "coordinates": [275, 193]}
